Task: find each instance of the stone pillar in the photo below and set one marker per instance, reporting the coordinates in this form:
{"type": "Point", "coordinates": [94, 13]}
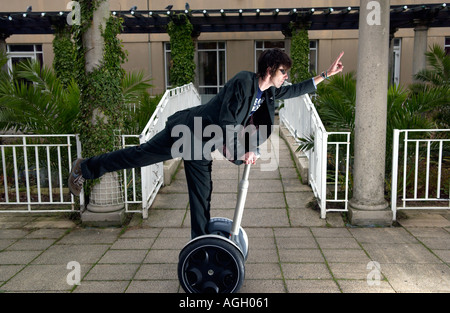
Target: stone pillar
{"type": "Point", "coordinates": [420, 45]}
{"type": "Point", "coordinates": [106, 206]}
{"type": "Point", "coordinates": [368, 206]}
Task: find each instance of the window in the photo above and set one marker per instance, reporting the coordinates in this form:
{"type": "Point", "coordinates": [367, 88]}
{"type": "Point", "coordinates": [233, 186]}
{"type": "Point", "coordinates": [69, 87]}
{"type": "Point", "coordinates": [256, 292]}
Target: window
{"type": "Point", "coordinates": [211, 68]}
{"type": "Point", "coordinates": [167, 63]}
{"type": "Point", "coordinates": [396, 61]}
{"type": "Point", "coordinates": [447, 45]}
{"type": "Point", "coordinates": [17, 53]}
{"type": "Point", "coordinates": [313, 56]}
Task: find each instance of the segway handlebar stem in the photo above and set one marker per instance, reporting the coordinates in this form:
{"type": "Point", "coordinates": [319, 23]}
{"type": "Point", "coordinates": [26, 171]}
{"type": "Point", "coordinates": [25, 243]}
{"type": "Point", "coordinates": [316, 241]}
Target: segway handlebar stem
{"type": "Point", "coordinates": [242, 195]}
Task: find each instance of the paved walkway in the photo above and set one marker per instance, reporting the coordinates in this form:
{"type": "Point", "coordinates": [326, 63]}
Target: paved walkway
{"type": "Point", "coordinates": [292, 250]}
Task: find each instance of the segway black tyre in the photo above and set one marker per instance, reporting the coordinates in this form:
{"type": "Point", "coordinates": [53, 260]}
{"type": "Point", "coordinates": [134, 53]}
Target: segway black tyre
{"type": "Point", "coordinates": [211, 264]}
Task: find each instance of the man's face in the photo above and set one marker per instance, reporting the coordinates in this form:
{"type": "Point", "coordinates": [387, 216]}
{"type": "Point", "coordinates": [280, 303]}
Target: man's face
{"type": "Point", "coordinates": [279, 77]}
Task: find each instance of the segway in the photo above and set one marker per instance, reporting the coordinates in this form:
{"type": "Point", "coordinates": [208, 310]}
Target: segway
{"type": "Point", "coordinates": [214, 263]}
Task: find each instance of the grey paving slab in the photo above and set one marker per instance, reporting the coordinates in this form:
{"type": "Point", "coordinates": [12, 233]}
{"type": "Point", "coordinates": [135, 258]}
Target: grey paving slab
{"type": "Point", "coordinates": [305, 271]}
{"type": "Point", "coordinates": [291, 248]}
{"type": "Point", "coordinates": [262, 286]}
{"type": "Point", "coordinates": [355, 270]}
{"type": "Point", "coordinates": [13, 233]}
{"type": "Point", "coordinates": [41, 278]}
{"type": "Point", "coordinates": [444, 255]}
{"type": "Point", "coordinates": [171, 201]}
{"type": "Point", "coordinates": [300, 255]}
{"type": "Point", "coordinates": [162, 256]}
{"type": "Point", "coordinates": [91, 236]}
{"type": "Point", "coordinates": [165, 218]}
{"type": "Point", "coordinates": [442, 242]}
{"type": "Point", "coordinates": [347, 255]}
{"type": "Point", "coordinates": [361, 286]}
{"type": "Point", "coordinates": [265, 200]}
{"type": "Point", "coordinates": [292, 232]}
{"type": "Point", "coordinates": [296, 243]}
{"type": "Point", "coordinates": [166, 243]}
{"type": "Point", "coordinates": [322, 232]}
{"type": "Point", "coordinates": [133, 243]}
{"type": "Point", "coordinates": [421, 219]}
{"type": "Point", "coordinates": [305, 217]}
{"type": "Point", "coordinates": [17, 257]}
{"type": "Point", "coordinates": [111, 272]}
{"type": "Point", "coordinates": [63, 254]}
{"type": "Point", "coordinates": [382, 235]}
{"type": "Point", "coordinates": [337, 243]}
{"type": "Point", "coordinates": [265, 218]}
{"type": "Point", "coordinates": [123, 256]}
{"type": "Point", "coordinates": [31, 244]}
{"type": "Point", "coordinates": [157, 272]}
{"type": "Point", "coordinates": [263, 271]}
{"type": "Point", "coordinates": [8, 271]}
{"type": "Point", "coordinates": [261, 255]}
{"type": "Point", "coordinates": [145, 232]}
{"type": "Point", "coordinates": [154, 286]}
{"type": "Point", "coordinates": [102, 287]}
{"type": "Point", "coordinates": [298, 200]}
{"type": "Point", "coordinates": [294, 185]}
{"type": "Point", "coordinates": [47, 233]}
{"type": "Point", "coordinates": [5, 243]}
{"type": "Point", "coordinates": [312, 286]}
{"type": "Point", "coordinates": [262, 186]}
{"type": "Point", "coordinates": [175, 232]}
{"type": "Point", "coordinates": [413, 277]}
{"type": "Point", "coordinates": [400, 253]}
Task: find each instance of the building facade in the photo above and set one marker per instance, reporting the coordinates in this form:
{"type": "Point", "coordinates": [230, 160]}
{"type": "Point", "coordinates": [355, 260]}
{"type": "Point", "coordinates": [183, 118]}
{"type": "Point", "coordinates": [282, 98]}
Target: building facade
{"type": "Point", "coordinates": [220, 55]}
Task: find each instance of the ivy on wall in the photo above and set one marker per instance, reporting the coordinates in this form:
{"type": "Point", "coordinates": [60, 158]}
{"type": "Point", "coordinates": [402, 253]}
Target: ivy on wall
{"type": "Point", "coordinates": [64, 54]}
{"type": "Point", "coordinates": [182, 67]}
{"type": "Point", "coordinates": [299, 54]}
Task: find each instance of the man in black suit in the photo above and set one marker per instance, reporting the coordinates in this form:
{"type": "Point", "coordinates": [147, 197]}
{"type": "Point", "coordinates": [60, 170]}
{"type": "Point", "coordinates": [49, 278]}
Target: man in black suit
{"type": "Point", "coordinates": [245, 105]}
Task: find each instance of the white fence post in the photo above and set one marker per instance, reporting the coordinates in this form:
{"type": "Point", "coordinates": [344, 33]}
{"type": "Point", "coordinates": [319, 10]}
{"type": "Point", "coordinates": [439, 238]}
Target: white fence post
{"type": "Point", "coordinates": [395, 147]}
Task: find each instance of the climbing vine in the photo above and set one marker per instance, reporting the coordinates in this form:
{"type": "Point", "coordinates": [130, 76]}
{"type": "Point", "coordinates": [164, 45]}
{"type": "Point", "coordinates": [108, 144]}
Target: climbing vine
{"type": "Point", "coordinates": [300, 54]}
{"type": "Point", "coordinates": [101, 110]}
{"type": "Point", "coordinates": [63, 49]}
{"type": "Point", "coordinates": [182, 67]}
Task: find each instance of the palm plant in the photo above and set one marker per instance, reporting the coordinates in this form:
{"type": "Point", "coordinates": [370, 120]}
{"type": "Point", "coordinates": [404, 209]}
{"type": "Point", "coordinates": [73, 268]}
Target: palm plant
{"type": "Point", "coordinates": [436, 80]}
{"type": "Point", "coordinates": [335, 103]}
{"type": "Point", "coordinates": [33, 100]}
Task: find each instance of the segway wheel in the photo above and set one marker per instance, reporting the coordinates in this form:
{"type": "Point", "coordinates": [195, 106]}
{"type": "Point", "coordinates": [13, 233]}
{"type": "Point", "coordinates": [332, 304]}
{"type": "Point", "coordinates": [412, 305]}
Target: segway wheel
{"type": "Point", "coordinates": [211, 265]}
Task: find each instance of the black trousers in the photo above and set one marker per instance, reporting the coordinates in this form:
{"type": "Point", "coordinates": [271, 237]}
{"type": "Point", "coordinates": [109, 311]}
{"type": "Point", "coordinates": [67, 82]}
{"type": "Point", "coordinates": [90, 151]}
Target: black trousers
{"type": "Point", "coordinates": [158, 149]}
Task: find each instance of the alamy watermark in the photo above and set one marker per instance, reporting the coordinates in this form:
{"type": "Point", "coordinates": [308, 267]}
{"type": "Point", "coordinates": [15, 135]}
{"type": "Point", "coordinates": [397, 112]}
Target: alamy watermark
{"type": "Point", "coordinates": [374, 276]}
{"type": "Point", "coordinates": [74, 276]}
{"type": "Point", "coordinates": [74, 16]}
{"type": "Point", "coordinates": [233, 141]}
{"type": "Point", "coordinates": [374, 13]}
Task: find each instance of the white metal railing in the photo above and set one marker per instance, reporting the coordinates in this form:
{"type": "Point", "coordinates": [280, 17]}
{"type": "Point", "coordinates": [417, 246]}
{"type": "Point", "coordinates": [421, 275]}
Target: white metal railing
{"type": "Point", "coordinates": [35, 167]}
{"type": "Point", "coordinates": [34, 172]}
{"type": "Point", "coordinates": [152, 177]}
{"type": "Point", "coordinates": [423, 173]}
{"type": "Point", "coordinates": [329, 160]}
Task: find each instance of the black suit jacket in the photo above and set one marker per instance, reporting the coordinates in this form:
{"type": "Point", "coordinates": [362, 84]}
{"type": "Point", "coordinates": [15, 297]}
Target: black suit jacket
{"type": "Point", "coordinates": [232, 105]}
